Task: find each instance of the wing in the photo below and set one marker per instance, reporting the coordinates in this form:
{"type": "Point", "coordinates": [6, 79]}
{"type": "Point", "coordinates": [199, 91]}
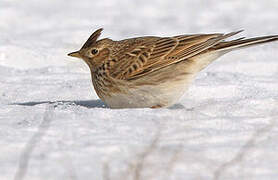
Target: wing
{"type": "Point", "coordinates": [155, 53]}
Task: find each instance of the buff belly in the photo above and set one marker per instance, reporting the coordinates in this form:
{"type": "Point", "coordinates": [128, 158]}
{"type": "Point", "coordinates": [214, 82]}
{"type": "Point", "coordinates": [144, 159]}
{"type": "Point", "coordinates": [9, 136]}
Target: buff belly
{"type": "Point", "coordinates": [147, 96]}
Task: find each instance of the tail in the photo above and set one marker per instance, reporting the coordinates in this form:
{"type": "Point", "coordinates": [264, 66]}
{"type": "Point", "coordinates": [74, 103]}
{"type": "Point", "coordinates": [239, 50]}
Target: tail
{"type": "Point", "coordinates": [241, 43]}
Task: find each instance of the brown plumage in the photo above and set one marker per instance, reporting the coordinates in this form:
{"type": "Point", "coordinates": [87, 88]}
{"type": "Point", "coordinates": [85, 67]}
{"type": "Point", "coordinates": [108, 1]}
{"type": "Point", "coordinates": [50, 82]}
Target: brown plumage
{"type": "Point", "coordinates": [153, 71]}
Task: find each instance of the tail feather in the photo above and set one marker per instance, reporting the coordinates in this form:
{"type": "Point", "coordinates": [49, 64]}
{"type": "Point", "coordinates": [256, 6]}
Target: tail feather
{"type": "Point", "coordinates": [241, 43]}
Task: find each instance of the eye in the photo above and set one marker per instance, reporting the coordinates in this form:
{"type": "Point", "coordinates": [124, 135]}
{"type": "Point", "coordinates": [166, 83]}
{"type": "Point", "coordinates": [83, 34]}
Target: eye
{"type": "Point", "coordinates": [94, 51]}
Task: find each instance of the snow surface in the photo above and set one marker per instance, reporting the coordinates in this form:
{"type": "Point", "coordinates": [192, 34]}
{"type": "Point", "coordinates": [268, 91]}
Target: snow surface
{"type": "Point", "coordinates": [53, 126]}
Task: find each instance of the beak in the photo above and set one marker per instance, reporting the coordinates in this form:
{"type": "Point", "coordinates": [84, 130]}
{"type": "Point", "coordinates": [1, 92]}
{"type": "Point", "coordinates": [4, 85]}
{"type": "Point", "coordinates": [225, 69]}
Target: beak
{"type": "Point", "coordinates": [75, 54]}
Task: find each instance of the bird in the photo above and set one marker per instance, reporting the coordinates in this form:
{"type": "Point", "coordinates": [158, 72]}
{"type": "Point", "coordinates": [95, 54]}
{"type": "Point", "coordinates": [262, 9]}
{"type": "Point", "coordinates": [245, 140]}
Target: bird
{"type": "Point", "coordinates": [151, 71]}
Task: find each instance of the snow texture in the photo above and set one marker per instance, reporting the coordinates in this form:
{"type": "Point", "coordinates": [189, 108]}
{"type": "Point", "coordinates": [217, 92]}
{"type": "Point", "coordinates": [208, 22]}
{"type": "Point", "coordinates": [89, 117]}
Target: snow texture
{"type": "Point", "coordinates": [53, 126]}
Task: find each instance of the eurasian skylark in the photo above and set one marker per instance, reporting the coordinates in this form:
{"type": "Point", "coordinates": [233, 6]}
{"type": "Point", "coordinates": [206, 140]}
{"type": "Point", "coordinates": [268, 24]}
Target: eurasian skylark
{"type": "Point", "coordinates": [153, 72]}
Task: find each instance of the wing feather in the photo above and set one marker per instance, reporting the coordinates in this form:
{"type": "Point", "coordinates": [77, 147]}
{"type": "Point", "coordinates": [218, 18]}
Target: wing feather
{"type": "Point", "coordinates": [156, 53]}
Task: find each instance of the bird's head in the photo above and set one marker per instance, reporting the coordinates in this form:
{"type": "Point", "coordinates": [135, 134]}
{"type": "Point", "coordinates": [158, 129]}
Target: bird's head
{"type": "Point", "coordinates": [94, 51]}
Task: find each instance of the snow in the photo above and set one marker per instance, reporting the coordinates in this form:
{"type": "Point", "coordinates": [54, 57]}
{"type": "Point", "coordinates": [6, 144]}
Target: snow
{"type": "Point", "coordinates": [53, 125]}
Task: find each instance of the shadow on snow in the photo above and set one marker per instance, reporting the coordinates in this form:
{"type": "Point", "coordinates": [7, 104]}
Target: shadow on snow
{"type": "Point", "coordinates": [85, 103]}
